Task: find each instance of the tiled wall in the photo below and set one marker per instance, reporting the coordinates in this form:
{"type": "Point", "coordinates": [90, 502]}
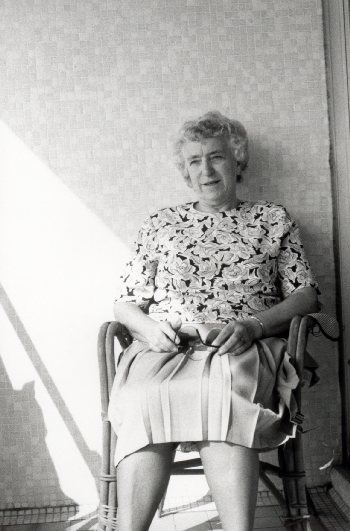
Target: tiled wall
{"type": "Point", "coordinates": [90, 92]}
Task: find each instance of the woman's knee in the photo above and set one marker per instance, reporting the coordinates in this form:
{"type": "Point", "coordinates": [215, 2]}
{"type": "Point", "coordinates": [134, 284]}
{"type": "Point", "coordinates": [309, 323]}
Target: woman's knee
{"type": "Point", "coordinates": [151, 453]}
{"type": "Point", "coordinates": [224, 454]}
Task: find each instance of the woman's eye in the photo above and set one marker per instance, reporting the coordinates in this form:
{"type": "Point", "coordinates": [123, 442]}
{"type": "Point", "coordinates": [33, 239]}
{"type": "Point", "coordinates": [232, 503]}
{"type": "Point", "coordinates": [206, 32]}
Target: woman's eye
{"type": "Point", "coordinates": [195, 161]}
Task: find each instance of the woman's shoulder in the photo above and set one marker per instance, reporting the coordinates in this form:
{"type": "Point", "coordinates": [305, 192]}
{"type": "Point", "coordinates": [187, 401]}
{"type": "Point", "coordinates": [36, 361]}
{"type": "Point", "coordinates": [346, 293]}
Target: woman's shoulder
{"type": "Point", "coordinates": [265, 211]}
{"type": "Point", "coordinates": [263, 206]}
{"type": "Point", "coordinates": [170, 211]}
{"type": "Point", "coordinates": [168, 215]}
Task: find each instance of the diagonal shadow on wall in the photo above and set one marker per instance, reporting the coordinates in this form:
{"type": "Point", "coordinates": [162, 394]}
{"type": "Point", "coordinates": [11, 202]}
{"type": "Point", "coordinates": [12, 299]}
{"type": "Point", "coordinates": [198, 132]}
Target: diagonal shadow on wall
{"type": "Point", "coordinates": [91, 458]}
{"type": "Point", "coordinates": [22, 419]}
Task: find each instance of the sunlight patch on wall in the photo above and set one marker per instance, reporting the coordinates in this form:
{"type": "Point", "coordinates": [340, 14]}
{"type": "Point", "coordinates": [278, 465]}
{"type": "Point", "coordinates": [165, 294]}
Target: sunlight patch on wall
{"type": "Point", "coordinates": [71, 477]}
{"type": "Point", "coordinates": [59, 267]}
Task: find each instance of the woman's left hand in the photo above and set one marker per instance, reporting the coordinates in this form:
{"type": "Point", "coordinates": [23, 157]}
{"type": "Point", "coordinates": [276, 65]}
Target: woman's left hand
{"type": "Point", "coordinates": [237, 337]}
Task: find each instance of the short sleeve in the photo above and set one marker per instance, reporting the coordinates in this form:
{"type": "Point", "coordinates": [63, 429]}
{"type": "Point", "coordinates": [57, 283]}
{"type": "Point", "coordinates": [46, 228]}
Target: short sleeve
{"type": "Point", "coordinates": [294, 270]}
{"type": "Point", "coordinates": [138, 282]}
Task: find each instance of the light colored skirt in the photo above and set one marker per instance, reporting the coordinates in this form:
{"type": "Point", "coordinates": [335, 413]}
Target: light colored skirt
{"type": "Point", "coordinates": [167, 397]}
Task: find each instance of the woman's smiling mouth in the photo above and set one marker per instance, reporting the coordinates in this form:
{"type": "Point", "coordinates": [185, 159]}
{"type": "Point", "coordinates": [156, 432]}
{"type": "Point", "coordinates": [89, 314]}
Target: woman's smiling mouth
{"type": "Point", "coordinates": [211, 183]}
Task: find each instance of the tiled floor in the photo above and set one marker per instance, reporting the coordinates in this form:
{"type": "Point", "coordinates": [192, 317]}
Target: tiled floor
{"type": "Point", "coordinates": [188, 507]}
{"type": "Point", "coordinates": [188, 514]}
{"type": "Point", "coordinates": [204, 517]}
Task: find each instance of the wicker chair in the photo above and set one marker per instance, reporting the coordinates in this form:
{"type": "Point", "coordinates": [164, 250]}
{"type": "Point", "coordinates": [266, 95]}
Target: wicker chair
{"type": "Point", "coordinates": [295, 502]}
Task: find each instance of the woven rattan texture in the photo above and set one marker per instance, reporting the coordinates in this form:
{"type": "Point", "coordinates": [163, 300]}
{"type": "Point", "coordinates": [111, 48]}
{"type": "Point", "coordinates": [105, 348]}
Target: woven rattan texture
{"type": "Point", "coordinates": [95, 88]}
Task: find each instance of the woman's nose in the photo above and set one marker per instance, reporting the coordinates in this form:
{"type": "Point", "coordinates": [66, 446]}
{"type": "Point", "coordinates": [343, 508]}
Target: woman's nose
{"type": "Point", "coordinates": [207, 167]}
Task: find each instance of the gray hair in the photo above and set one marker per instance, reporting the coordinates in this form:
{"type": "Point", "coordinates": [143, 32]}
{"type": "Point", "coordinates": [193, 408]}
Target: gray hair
{"type": "Point", "coordinates": [210, 125]}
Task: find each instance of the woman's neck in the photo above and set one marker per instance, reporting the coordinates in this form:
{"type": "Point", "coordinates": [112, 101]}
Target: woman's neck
{"type": "Point", "coordinates": [210, 208]}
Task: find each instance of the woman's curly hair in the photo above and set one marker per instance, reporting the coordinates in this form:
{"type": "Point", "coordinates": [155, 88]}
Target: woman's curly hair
{"type": "Point", "coordinates": [211, 125]}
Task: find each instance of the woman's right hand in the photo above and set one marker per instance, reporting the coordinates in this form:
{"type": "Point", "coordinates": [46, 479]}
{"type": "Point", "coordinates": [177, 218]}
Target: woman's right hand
{"type": "Point", "coordinates": [160, 337]}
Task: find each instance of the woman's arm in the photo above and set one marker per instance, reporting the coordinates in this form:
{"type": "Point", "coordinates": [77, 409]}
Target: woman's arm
{"type": "Point", "coordinates": [293, 272]}
{"type": "Point", "coordinates": [278, 318]}
{"type": "Point", "coordinates": [238, 336]}
{"type": "Point", "coordinates": [136, 291]}
{"type": "Point", "coordinates": [160, 337]}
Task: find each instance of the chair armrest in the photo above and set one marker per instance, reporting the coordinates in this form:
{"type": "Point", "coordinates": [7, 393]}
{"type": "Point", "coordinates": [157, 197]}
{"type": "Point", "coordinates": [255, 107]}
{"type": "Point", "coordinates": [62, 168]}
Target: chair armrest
{"type": "Point", "coordinates": [106, 357]}
{"type": "Point", "coordinates": [297, 340]}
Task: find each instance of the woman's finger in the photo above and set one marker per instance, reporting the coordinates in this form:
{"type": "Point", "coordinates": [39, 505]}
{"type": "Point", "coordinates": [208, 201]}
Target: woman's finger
{"type": "Point", "coordinates": [169, 331]}
{"type": "Point", "coordinates": [239, 351]}
{"type": "Point", "coordinates": [162, 345]}
{"type": "Point", "coordinates": [163, 338]}
{"type": "Point", "coordinates": [175, 322]}
{"type": "Point", "coordinates": [235, 345]}
{"type": "Point", "coordinates": [232, 342]}
{"type": "Point", "coordinates": [224, 335]}
{"type": "Point", "coordinates": [239, 341]}
{"type": "Point", "coordinates": [154, 347]}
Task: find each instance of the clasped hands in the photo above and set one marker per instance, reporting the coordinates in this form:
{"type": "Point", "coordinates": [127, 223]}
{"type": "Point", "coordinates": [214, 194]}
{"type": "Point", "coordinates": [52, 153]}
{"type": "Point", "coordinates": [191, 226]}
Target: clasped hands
{"type": "Point", "coordinates": [235, 338]}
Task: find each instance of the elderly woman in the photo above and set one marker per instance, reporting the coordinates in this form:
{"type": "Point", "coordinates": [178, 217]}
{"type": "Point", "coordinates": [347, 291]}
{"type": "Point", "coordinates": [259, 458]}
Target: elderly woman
{"type": "Point", "coordinates": [220, 263]}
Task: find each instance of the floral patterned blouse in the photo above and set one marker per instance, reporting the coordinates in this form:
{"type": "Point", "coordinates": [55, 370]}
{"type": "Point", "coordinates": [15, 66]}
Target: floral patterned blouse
{"type": "Point", "coordinates": [215, 266]}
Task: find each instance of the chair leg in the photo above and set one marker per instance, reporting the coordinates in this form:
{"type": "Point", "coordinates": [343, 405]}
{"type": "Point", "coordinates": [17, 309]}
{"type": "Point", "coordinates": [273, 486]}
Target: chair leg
{"type": "Point", "coordinates": [300, 481]}
{"type": "Point", "coordinates": [293, 476]}
{"type": "Point", "coordinates": [104, 483]}
{"type": "Point", "coordinates": [112, 502]}
{"type": "Point", "coordinates": [161, 505]}
{"type": "Point", "coordinates": [286, 461]}
{"type": "Point", "coordinates": [107, 517]}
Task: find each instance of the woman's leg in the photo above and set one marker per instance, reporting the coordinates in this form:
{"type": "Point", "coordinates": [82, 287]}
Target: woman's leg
{"type": "Point", "coordinates": [142, 478]}
{"type": "Point", "coordinates": [232, 473]}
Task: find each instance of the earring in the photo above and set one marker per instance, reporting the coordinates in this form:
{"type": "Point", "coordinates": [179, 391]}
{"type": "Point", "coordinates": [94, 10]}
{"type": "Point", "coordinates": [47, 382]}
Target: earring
{"type": "Point", "coordinates": [239, 176]}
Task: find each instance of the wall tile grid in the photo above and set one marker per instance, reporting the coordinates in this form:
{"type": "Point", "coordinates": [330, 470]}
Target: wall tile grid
{"type": "Point", "coordinates": [96, 88]}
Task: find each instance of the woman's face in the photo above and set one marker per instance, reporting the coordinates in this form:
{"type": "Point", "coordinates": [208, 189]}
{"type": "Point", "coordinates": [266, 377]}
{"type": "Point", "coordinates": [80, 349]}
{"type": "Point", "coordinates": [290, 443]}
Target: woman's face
{"type": "Point", "coordinates": [213, 171]}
